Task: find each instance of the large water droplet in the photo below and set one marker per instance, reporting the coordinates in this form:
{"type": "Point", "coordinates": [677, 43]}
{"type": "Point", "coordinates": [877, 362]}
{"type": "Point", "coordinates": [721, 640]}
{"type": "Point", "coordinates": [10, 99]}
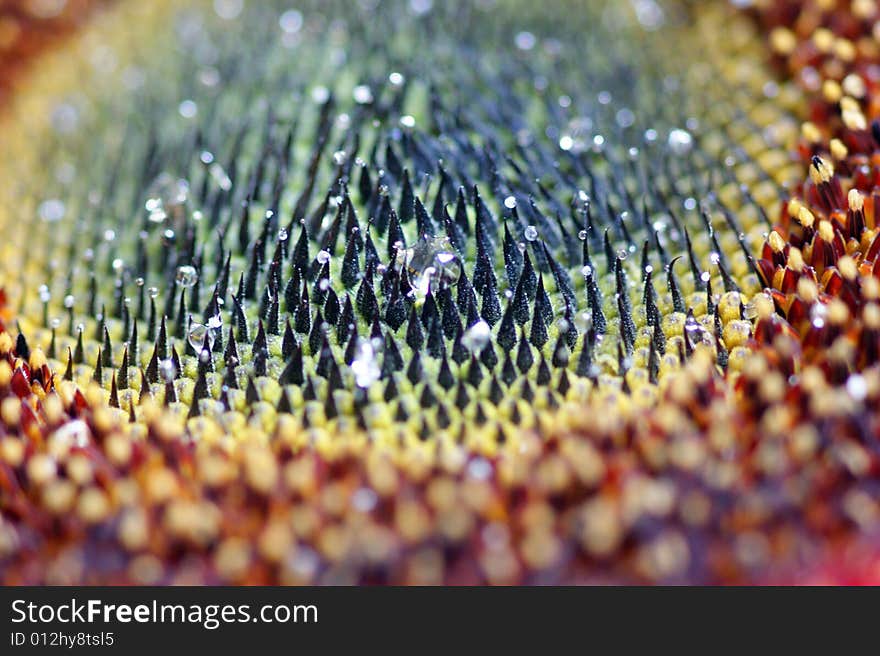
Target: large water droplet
{"type": "Point", "coordinates": [197, 334]}
{"type": "Point", "coordinates": [167, 369]}
{"type": "Point", "coordinates": [432, 265]}
{"type": "Point", "coordinates": [187, 276]}
{"type": "Point", "coordinates": [362, 94]}
{"type": "Point", "coordinates": [476, 337]}
{"type": "Point", "coordinates": [680, 142]}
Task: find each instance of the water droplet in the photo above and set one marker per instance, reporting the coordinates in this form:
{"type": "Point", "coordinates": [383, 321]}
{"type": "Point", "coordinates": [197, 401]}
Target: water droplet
{"type": "Point", "coordinates": [857, 387]}
{"type": "Point", "coordinates": [339, 157]}
{"type": "Point", "coordinates": [680, 142]}
{"type": "Point", "coordinates": [166, 196]}
{"type": "Point", "coordinates": [51, 210]}
{"type": "Point", "coordinates": [531, 233]}
{"type": "Point", "coordinates": [220, 177]}
{"type": "Point", "coordinates": [153, 292]}
{"type": "Point", "coordinates": [72, 433]}
{"type": "Point", "coordinates": [291, 21]}
{"type": "Point", "coordinates": [364, 366]}
{"type": "Point", "coordinates": [68, 301]}
{"type": "Point", "coordinates": [479, 468]}
{"type": "Point", "coordinates": [587, 271]}
{"type": "Point", "coordinates": [476, 337]}
{"type": "Point", "coordinates": [44, 293]}
{"type": "Point", "coordinates": [362, 94]}
{"type": "Point", "coordinates": [525, 40]}
{"type": "Point", "coordinates": [421, 7]}
{"type": "Point", "coordinates": [228, 9]}
{"type": "Point", "coordinates": [649, 14]}
{"type": "Point", "coordinates": [396, 79]}
{"type": "Point", "coordinates": [209, 77]}
{"type": "Point", "coordinates": [510, 202]}
{"type": "Point", "coordinates": [432, 265]}
{"type": "Point", "coordinates": [323, 257]}
{"type": "Point", "coordinates": [625, 117]}
{"type": "Point", "coordinates": [364, 499]}
{"type": "Point", "coordinates": [197, 334]}
{"type": "Point", "coordinates": [407, 121]}
{"type": "Point", "coordinates": [167, 370]}
{"type": "Point", "coordinates": [187, 276]}
{"type": "Point", "coordinates": [583, 321]}
{"type": "Point", "coordinates": [622, 253]}
{"type": "Point", "coordinates": [188, 109]}
{"type": "Point", "coordinates": [582, 235]}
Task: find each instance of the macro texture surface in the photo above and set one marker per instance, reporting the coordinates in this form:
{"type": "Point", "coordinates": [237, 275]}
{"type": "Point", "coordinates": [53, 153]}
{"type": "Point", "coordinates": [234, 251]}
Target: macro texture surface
{"type": "Point", "coordinates": [414, 292]}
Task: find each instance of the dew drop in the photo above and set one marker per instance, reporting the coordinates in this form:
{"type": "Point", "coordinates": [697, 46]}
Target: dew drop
{"type": "Point", "coordinates": [365, 366]}
{"type": "Point", "coordinates": [197, 334]}
{"type": "Point", "coordinates": [167, 369]}
{"type": "Point", "coordinates": [188, 109]}
{"type": "Point", "coordinates": [165, 196]}
{"type": "Point", "coordinates": [476, 337]}
{"type": "Point", "coordinates": [525, 40]}
{"type": "Point", "coordinates": [51, 210]}
{"type": "Point", "coordinates": [187, 276]}
{"type": "Point", "coordinates": [291, 21]}
{"type": "Point", "coordinates": [680, 142]}
{"type": "Point", "coordinates": [362, 94]}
